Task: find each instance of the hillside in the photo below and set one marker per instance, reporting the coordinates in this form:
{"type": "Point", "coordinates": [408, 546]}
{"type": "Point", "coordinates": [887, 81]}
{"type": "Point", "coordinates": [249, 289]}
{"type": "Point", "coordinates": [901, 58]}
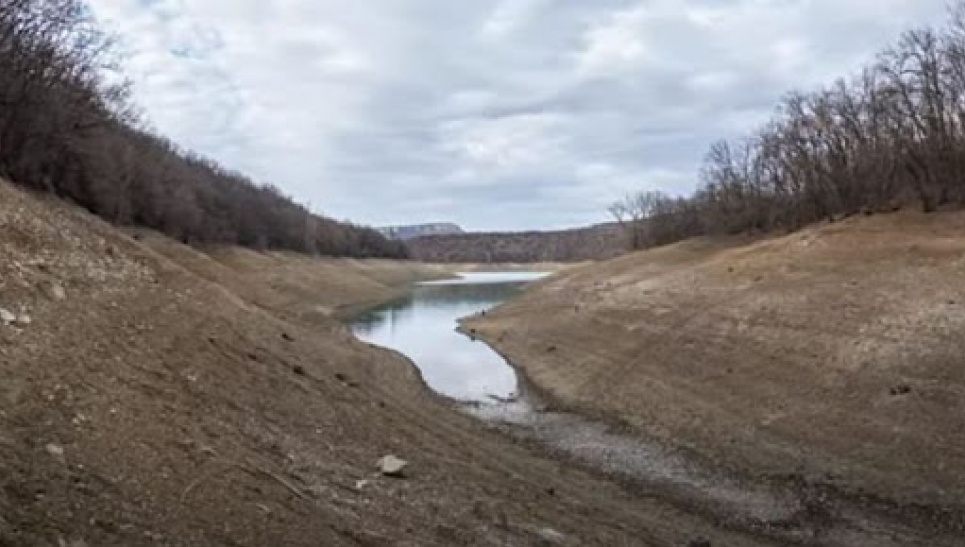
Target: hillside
{"type": "Point", "coordinates": [833, 354]}
{"type": "Point", "coordinates": [164, 395]}
{"type": "Point", "coordinates": [420, 230]}
{"type": "Point", "coordinates": [577, 245]}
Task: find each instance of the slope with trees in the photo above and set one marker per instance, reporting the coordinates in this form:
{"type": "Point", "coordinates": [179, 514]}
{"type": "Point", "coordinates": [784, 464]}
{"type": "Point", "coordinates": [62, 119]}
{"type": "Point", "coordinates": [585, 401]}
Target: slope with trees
{"type": "Point", "coordinates": [893, 135]}
{"type": "Point", "coordinates": [67, 127]}
{"type": "Point", "coordinates": [591, 243]}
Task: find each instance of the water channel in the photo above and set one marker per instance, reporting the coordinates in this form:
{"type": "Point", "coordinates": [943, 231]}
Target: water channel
{"type": "Point", "coordinates": [423, 326]}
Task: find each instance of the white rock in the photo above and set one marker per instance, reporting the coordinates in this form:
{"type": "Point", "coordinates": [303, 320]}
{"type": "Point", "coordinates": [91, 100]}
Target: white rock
{"type": "Point", "coordinates": [552, 536]}
{"type": "Point", "coordinates": [392, 466]}
{"type": "Point", "coordinates": [7, 317]}
{"type": "Point", "coordinates": [55, 450]}
{"type": "Point", "coordinates": [56, 291]}
{"type": "Point", "coordinates": [23, 320]}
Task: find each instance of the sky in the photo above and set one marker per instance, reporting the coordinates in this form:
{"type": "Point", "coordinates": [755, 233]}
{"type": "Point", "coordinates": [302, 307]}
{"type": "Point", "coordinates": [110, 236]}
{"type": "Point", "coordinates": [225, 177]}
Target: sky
{"type": "Point", "coordinates": [495, 114]}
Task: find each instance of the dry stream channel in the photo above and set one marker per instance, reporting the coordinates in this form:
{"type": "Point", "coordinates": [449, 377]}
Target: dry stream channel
{"type": "Point", "coordinates": [424, 327]}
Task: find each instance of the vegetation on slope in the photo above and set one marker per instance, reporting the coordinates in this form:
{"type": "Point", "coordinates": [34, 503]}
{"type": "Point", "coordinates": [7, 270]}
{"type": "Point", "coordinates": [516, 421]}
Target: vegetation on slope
{"type": "Point", "coordinates": [67, 127]}
{"type": "Point", "coordinates": [592, 243]}
{"type": "Point", "coordinates": [894, 134]}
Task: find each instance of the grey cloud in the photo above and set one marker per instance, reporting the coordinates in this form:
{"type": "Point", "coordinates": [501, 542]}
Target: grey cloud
{"type": "Point", "coordinates": [497, 114]}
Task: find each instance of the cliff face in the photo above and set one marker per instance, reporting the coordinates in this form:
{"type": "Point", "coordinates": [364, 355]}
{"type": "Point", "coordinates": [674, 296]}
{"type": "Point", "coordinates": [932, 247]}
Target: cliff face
{"type": "Point", "coordinates": [420, 230]}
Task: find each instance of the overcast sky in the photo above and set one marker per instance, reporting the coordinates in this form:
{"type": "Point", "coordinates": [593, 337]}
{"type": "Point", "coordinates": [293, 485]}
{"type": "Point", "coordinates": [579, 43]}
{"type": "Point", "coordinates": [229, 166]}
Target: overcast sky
{"type": "Point", "coordinates": [496, 114]}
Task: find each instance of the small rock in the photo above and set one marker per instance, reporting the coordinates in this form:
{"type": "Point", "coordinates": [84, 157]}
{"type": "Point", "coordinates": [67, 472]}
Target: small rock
{"type": "Point", "coordinates": [392, 466]}
{"type": "Point", "coordinates": [699, 541]}
{"type": "Point", "coordinates": [7, 317]}
{"type": "Point", "coordinates": [23, 320]}
{"type": "Point", "coordinates": [903, 389]}
{"type": "Point", "coordinates": [359, 485]}
{"type": "Point", "coordinates": [55, 450]}
{"type": "Point", "coordinates": [55, 291]}
{"type": "Point", "coordinates": [552, 536]}
{"type": "Point", "coordinates": [299, 370]}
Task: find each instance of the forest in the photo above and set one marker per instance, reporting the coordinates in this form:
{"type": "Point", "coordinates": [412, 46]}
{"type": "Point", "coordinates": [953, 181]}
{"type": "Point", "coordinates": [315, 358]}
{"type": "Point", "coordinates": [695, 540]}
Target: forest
{"type": "Point", "coordinates": [68, 127]}
{"type": "Point", "coordinates": [890, 136]}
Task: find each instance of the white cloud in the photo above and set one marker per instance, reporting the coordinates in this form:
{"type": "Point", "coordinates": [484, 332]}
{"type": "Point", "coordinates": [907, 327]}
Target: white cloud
{"type": "Point", "coordinates": [493, 113]}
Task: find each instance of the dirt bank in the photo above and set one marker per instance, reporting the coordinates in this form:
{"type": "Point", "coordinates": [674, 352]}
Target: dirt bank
{"type": "Point", "coordinates": [833, 355]}
{"type": "Point", "coordinates": [160, 395]}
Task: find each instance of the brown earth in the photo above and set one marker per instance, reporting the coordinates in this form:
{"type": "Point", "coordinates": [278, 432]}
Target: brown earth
{"type": "Point", "coordinates": [835, 355]}
{"type": "Point", "coordinates": [180, 397]}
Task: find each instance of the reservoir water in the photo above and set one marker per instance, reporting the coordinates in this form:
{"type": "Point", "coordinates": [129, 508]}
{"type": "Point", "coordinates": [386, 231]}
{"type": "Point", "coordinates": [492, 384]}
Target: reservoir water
{"type": "Point", "coordinates": [423, 327]}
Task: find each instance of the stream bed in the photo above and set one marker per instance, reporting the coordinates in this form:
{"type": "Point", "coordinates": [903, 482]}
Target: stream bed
{"type": "Point", "coordinates": [423, 327]}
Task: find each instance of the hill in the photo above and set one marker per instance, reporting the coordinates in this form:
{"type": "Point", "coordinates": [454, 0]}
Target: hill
{"type": "Point", "coordinates": [833, 354]}
{"type": "Point", "coordinates": [592, 243]}
{"type": "Point", "coordinates": [162, 394]}
{"type": "Point", "coordinates": [420, 230]}
{"type": "Point", "coordinates": [69, 129]}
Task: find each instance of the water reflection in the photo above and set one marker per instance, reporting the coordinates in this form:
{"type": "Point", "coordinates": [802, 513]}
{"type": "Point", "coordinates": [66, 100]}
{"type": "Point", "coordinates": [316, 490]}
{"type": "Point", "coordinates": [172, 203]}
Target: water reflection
{"type": "Point", "coordinates": [422, 326]}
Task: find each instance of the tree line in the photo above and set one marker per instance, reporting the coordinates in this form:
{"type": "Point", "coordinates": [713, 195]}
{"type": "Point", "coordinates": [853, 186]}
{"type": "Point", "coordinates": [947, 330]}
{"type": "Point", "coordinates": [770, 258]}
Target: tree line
{"type": "Point", "coordinates": [67, 126]}
{"type": "Point", "coordinates": [591, 243]}
{"type": "Point", "coordinates": [893, 135]}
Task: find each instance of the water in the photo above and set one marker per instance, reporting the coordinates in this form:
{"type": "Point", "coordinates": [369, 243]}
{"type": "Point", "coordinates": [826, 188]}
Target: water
{"type": "Point", "coordinates": [423, 327]}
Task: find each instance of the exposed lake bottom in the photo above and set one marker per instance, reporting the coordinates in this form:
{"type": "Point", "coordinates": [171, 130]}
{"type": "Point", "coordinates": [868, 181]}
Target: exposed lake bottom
{"type": "Point", "coordinates": [423, 326]}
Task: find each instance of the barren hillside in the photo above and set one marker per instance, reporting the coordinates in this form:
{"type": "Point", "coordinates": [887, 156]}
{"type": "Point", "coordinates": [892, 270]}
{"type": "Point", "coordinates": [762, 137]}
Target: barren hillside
{"type": "Point", "coordinates": [160, 395]}
{"type": "Point", "coordinates": [836, 354]}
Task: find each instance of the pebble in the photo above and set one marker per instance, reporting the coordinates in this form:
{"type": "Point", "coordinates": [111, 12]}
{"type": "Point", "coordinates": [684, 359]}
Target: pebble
{"type": "Point", "coordinates": [55, 450]}
{"type": "Point", "coordinates": [392, 466]}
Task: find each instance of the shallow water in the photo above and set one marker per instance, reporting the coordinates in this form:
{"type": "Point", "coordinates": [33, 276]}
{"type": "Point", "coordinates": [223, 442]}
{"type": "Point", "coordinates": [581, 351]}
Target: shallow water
{"type": "Point", "coordinates": [423, 327]}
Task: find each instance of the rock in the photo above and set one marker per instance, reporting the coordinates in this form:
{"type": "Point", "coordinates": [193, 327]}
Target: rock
{"type": "Point", "coordinates": [299, 370]}
{"type": "Point", "coordinates": [903, 389]}
{"type": "Point", "coordinates": [7, 317]}
{"type": "Point", "coordinates": [359, 485]}
{"type": "Point", "coordinates": [55, 291]}
{"type": "Point", "coordinates": [699, 541]}
{"type": "Point", "coordinates": [23, 320]}
{"type": "Point", "coordinates": [55, 450]}
{"type": "Point", "coordinates": [552, 537]}
{"type": "Point", "coordinates": [392, 466]}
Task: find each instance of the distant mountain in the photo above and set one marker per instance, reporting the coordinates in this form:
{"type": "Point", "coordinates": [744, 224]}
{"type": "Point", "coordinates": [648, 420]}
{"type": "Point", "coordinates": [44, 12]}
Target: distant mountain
{"type": "Point", "coordinates": [591, 243]}
{"type": "Point", "coordinates": [420, 230]}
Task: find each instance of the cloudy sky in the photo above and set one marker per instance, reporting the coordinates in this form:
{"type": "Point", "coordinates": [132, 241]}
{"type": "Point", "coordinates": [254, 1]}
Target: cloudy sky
{"type": "Point", "coordinates": [496, 114]}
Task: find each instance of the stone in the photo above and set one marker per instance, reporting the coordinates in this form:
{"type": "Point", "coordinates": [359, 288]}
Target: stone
{"type": "Point", "coordinates": [7, 317]}
{"type": "Point", "coordinates": [55, 291]}
{"type": "Point", "coordinates": [699, 541]}
{"type": "Point", "coordinates": [55, 450]}
{"type": "Point", "coordinates": [392, 466]}
{"type": "Point", "coordinates": [552, 536]}
{"type": "Point", "coordinates": [23, 320]}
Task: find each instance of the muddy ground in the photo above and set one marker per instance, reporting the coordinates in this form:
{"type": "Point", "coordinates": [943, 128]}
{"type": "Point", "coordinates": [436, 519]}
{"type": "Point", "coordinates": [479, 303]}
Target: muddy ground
{"type": "Point", "coordinates": [164, 395]}
{"type": "Point", "coordinates": [832, 358]}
